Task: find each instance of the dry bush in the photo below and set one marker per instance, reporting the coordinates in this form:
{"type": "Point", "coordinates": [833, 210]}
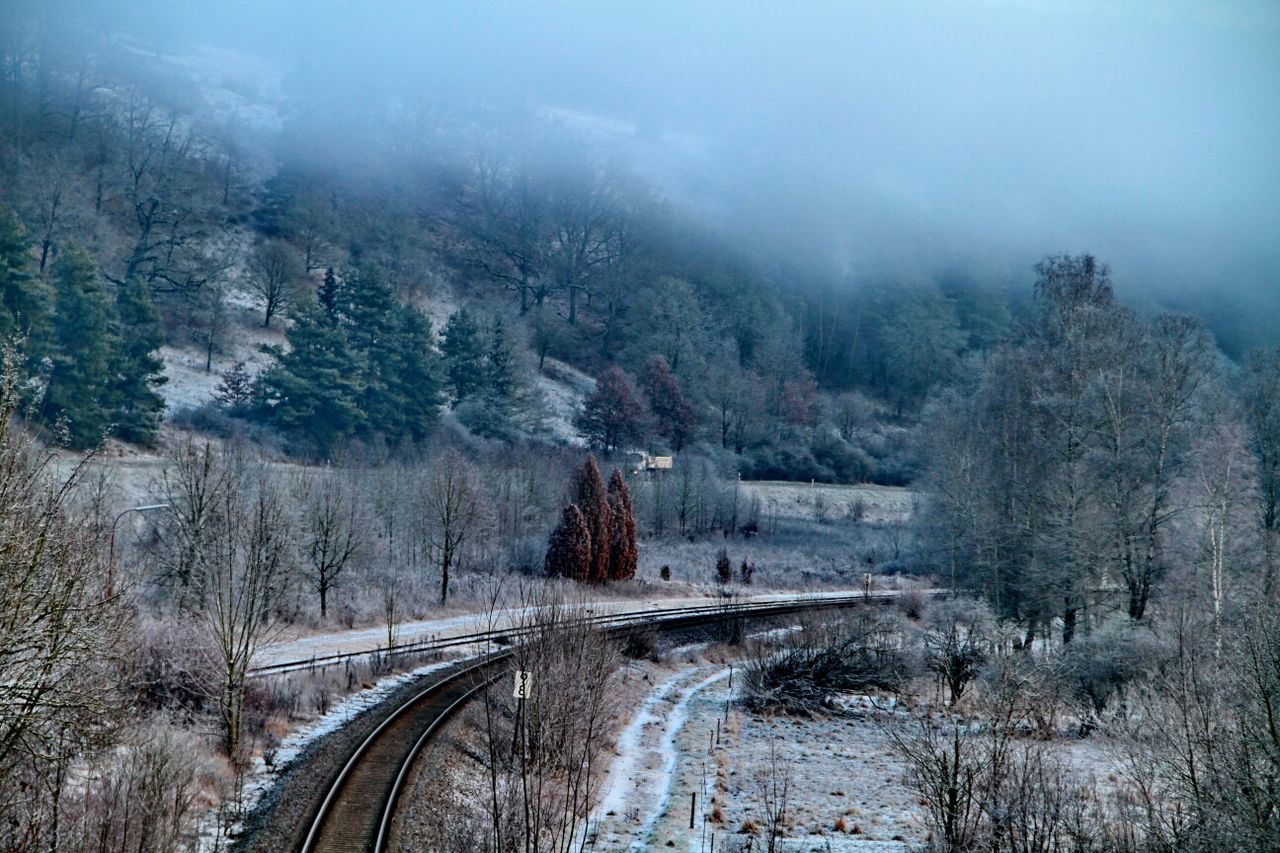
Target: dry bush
{"type": "Point", "coordinates": [146, 797]}
{"type": "Point", "coordinates": [805, 671]}
{"type": "Point", "coordinates": [535, 763]}
{"type": "Point", "coordinates": [957, 643]}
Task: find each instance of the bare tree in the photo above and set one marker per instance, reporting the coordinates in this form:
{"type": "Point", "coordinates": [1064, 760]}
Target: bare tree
{"type": "Point", "coordinates": [192, 483]}
{"type": "Point", "coordinates": [243, 561]}
{"type": "Point", "coordinates": [276, 271]}
{"type": "Point", "coordinates": [332, 530]}
{"type": "Point", "coordinates": [543, 751]}
{"type": "Point", "coordinates": [61, 636]}
{"type": "Point", "coordinates": [454, 509]}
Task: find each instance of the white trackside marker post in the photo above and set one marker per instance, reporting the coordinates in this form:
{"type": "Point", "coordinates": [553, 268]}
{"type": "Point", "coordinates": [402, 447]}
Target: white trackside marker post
{"type": "Point", "coordinates": [521, 690]}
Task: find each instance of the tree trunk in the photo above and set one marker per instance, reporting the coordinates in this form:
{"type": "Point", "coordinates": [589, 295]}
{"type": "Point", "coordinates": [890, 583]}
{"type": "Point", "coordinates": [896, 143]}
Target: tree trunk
{"type": "Point", "coordinates": [445, 560]}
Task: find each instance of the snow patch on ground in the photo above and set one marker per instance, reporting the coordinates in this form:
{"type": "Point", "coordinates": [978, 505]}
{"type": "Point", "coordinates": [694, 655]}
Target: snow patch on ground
{"type": "Point", "coordinates": [563, 388]}
{"type": "Point", "coordinates": [639, 787]}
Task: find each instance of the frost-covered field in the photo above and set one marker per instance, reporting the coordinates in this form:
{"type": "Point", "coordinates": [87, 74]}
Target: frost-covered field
{"type": "Point", "coordinates": [844, 786]}
{"type": "Point", "coordinates": [824, 501]}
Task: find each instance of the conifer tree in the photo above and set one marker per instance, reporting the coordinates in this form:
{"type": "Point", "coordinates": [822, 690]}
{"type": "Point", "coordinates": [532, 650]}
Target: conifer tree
{"type": "Point", "coordinates": [24, 300]}
{"type": "Point", "coordinates": [78, 389]}
{"type": "Point", "coordinates": [367, 309]}
{"type": "Point", "coordinates": [569, 548]}
{"type": "Point", "coordinates": [313, 391]}
{"type": "Point", "coordinates": [236, 390]}
{"type": "Point", "coordinates": [328, 294]}
{"type": "Point", "coordinates": [136, 367]}
{"type": "Point", "coordinates": [418, 384]}
{"type": "Point", "coordinates": [463, 349]}
{"type": "Point", "coordinates": [591, 498]}
{"type": "Point", "coordinates": [623, 553]}
{"type": "Point", "coordinates": [500, 364]}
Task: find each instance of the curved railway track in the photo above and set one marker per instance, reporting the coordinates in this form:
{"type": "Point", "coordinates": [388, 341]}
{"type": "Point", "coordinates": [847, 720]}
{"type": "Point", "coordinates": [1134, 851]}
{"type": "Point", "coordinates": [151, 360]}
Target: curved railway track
{"type": "Point", "coordinates": [359, 803]}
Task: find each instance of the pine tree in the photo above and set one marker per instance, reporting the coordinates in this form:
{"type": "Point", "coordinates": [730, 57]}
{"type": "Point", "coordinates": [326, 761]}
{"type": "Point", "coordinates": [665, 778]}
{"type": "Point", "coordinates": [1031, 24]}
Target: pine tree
{"type": "Point", "coordinates": [367, 309]}
{"type": "Point", "coordinates": [569, 548]}
{"type": "Point", "coordinates": [78, 389]}
{"type": "Point", "coordinates": [611, 414]}
{"type": "Point", "coordinates": [673, 415]}
{"type": "Point", "coordinates": [24, 299]}
{"type": "Point", "coordinates": [417, 385]}
{"type": "Point", "coordinates": [590, 497]}
{"type": "Point", "coordinates": [313, 391]}
{"type": "Point", "coordinates": [136, 367]}
{"type": "Point", "coordinates": [623, 553]}
{"type": "Point", "coordinates": [236, 390]}
{"type": "Point", "coordinates": [328, 294]}
{"type": "Point", "coordinates": [463, 350]}
{"type": "Point", "coordinates": [724, 568]}
{"type": "Point", "coordinates": [500, 364]}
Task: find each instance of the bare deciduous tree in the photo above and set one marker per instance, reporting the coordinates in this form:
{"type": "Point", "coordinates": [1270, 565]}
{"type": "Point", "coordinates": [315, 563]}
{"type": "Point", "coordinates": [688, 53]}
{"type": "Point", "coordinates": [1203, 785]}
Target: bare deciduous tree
{"type": "Point", "coordinates": [61, 636]}
{"type": "Point", "coordinates": [454, 509]}
{"type": "Point", "coordinates": [276, 270]}
{"type": "Point", "coordinates": [243, 562]}
{"type": "Point", "coordinates": [332, 530]}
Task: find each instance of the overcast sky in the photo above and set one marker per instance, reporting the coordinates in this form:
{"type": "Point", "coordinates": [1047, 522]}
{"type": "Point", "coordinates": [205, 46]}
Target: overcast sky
{"type": "Point", "coordinates": [892, 136]}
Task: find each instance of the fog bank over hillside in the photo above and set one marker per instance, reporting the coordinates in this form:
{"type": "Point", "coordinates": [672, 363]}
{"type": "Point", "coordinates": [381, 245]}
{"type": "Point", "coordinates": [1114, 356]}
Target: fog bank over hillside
{"type": "Point", "coordinates": [853, 140]}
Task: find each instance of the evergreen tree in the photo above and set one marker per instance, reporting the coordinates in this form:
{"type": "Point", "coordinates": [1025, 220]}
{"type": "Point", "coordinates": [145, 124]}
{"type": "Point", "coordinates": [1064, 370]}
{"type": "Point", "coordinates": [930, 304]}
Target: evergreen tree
{"type": "Point", "coordinates": [569, 548]}
{"type": "Point", "coordinates": [313, 391]}
{"type": "Point", "coordinates": [463, 349]}
{"type": "Point", "coordinates": [673, 414]}
{"type": "Point", "coordinates": [328, 294]}
{"type": "Point", "coordinates": [500, 364]}
{"type": "Point", "coordinates": [136, 367]}
{"type": "Point", "coordinates": [24, 300]}
{"type": "Point", "coordinates": [611, 415]}
{"type": "Point", "coordinates": [724, 568]}
{"type": "Point", "coordinates": [236, 390]}
{"type": "Point", "coordinates": [591, 498]}
{"type": "Point", "coordinates": [367, 309]}
{"type": "Point", "coordinates": [78, 389]}
{"type": "Point", "coordinates": [417, 385]}
{"type": "Point", "coordinates": [623, 553]}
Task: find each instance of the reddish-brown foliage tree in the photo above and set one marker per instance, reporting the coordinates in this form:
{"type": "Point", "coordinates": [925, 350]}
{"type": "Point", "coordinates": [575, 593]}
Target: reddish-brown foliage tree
{"type": "Point", "coordinates": [591, 499]}
{"type": "Point", "coordinates": [673, 415]}
{"type": "Point", "coordinates": [623, 553]}
{"type": "Point", "coordinates": [611, 414]}
{"type": "Point", "coordinates": [569, 548]}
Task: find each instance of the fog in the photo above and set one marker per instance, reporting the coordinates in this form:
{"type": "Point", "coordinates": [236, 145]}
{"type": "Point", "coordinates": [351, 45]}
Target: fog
{"type": "Point", "coordinates": [854, 139]}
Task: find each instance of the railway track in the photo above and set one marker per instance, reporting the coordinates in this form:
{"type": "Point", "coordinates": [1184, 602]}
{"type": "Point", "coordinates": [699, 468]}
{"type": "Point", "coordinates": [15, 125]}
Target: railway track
{"type": "Point", "coordinates": [359, 804]}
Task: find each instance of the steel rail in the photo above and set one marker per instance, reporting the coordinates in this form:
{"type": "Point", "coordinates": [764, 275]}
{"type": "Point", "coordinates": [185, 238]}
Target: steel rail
{"type": "Point", "coordinates": [506, 636]}
{"type": "Point", "coordinates": [357, 814]}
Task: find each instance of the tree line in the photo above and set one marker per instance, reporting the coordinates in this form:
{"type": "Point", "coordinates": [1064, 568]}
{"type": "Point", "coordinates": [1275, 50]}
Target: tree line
{"type": "Point", "coordinates": [1099, 456]}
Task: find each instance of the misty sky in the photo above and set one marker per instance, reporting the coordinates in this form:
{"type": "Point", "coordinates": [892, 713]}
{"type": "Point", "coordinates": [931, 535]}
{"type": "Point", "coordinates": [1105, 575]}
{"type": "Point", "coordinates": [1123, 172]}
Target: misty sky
{"type": "Point", "coordinates": [862, 137]}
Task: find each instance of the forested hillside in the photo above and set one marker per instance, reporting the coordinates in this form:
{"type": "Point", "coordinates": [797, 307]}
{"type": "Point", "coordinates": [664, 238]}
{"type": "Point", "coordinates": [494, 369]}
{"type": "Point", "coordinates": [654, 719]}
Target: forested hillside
{"type": "Point", "coordinates": [150, 204]}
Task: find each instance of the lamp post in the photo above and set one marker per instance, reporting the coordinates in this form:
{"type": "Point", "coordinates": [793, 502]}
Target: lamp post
{"type": "Point", "coordinates": [111, 548]}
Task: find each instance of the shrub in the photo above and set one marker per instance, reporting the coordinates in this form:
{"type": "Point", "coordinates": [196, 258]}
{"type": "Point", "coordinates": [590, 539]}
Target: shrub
{"type": "Point", "coordinates": [853, 655]}
{"type": "Point", "coordinates": [724, 568]}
